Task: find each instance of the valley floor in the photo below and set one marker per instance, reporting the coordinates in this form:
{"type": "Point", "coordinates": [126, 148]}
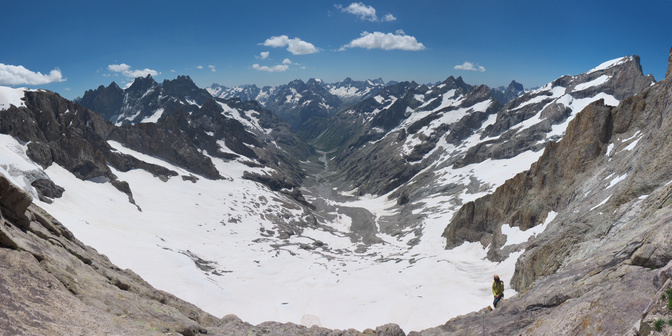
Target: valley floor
{"type": "Point", "coordinates": [214, 243]}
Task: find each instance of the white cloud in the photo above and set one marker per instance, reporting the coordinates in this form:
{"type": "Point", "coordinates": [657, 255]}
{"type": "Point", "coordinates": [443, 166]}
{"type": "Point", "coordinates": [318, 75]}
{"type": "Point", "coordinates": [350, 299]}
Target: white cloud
{"type": "Point", "coordinates": [125, 70]}
{"type": "Point", "coordinates": [364, 12]}
{"type": "Point", "coordinates": [141, 73]}
{"type": "Point", "coordinates": [199, 67]}
{"type": "Point", "coordinates": [212, 68]}
{"type": "Point", "coordinates": [119, 67]}
{"type": "Point", "coordinates": [275, 68]}
{"type": "Point", "coordinates": [264, 55]}
{"type": "Point", "coordinates": [296, 46]}
{"type": "Point", "coordinates": [286, 61]}
{"type": "Point", "coordinates": [18, 75]}
{"type": "Point", "coordinates": [388, 17]}
{"type": "Point", "coordinates": [389, 41]}
{"type": "Point", "coordinates": [469, 67]}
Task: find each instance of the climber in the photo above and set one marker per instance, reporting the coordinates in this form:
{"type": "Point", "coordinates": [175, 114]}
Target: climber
{"type": "Point", "coordinates": [497, 290]}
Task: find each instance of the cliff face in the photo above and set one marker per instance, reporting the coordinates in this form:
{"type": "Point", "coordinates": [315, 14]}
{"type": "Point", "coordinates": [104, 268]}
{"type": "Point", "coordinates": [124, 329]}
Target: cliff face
{"type": "Point", "coordinates": [602, 262]}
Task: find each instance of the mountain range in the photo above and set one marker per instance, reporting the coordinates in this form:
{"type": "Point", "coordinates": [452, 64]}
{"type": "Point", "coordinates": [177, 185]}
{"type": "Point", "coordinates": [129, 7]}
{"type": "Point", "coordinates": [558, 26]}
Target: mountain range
{"type": "Point", "coordinates": [340, 206]}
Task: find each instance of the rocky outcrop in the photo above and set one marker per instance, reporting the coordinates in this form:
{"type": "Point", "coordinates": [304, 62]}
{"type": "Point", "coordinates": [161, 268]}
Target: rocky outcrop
{"type": "Point", "coordinates": [166, 140]}
{"type": "Point", "coordinates": [58, 131]}
{"type": "Point", "coordinates": [516, 202]}
{"type": "Point", "coordinates": [669, 66]}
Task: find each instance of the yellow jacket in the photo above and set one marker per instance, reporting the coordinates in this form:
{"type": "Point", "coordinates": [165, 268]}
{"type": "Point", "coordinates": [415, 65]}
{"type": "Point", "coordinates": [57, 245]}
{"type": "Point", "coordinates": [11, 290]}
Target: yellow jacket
{"type": "Point", "coordinates": [497, 288]}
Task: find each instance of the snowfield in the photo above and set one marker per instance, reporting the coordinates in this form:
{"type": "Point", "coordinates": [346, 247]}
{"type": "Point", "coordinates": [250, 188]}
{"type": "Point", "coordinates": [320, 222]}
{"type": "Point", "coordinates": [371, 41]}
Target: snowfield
{"type": "Point", "coordinates": [201, 241]}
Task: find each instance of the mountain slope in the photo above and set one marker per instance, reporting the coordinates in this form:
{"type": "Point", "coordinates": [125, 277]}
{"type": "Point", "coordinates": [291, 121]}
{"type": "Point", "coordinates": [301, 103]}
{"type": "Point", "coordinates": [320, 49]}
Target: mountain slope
{"type": "Point", "coordinates": [53, 284]}
{"type": "Point", "coordinates": [603, 260]}
{"type": "Point", "coordinates": [179, 122]}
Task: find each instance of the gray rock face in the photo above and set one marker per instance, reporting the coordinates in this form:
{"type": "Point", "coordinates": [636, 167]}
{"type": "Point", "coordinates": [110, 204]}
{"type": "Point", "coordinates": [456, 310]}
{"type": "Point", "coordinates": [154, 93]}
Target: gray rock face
{"type": "Point", "coordinates": [62, 132]}
{"type": "Point", "coordinates": [669, 66]}
{"type": "Point", "coordinates": [104, 100]}
{"type": "Point", "coordinates": [554, 101]}
{"type": "Point", "coordinates": [166, 140]}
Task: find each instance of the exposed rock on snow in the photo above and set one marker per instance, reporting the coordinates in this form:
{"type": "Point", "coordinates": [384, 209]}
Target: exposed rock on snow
{"type": "Point", "coordinates": [66, 287]}
{"type": "Point", "coordinates": [597, 259]}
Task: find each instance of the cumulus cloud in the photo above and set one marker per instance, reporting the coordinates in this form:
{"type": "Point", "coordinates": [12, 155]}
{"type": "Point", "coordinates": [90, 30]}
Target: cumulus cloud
{"type": "Point", "coordinates": [212, 68]}
{"type": "Point", "coordinates": [275, 68]}
{"type": "Point", "coordinates": [365, 13]}
{"type": "Point", "coordinates": [469, 67]}
{"type": "Point", "coordinates": [295, 45]}
{"type": "Point", "coordinates": [389, 41]}
{"type": "Point", "coordinates": [18, 75]}
{"type": "Point", "coordinates": [125, 70]}
{"type": "Point", "coordinates": [263, 55]}
{"type": "Point", "coordinates": [286, 61]}
{"type": "Point", "coordinates": [199, 67]}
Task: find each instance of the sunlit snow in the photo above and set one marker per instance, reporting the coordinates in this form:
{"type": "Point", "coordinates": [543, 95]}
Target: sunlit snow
{"type": "Point", "coordinates": [220, 222]}
{"type": "Point", "coordinates": [609, 64]}
{"type": "Point", "coordinates": [9, 96]}
{"type": "Point", "coordinates": [595, 82]}
{"type": "Point", "coordinates": [514, 235]}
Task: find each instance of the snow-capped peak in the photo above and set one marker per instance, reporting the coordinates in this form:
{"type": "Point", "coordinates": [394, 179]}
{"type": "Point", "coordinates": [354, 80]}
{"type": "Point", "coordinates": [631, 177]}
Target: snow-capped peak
{"type": "Point", "coordinates": [609, 64]}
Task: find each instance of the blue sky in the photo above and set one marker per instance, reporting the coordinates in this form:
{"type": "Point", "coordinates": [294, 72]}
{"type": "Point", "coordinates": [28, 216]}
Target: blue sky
{"type": "Point", "coordinates": [72, 46]}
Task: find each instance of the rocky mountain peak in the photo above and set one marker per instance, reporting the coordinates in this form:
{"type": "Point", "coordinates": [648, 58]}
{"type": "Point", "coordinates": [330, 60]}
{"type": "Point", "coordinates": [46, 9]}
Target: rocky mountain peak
{"type": "Point", "coordinates": [184, 89]}
{"type": "Point", "coordinates": [180, 83]}
{"type": "Point", "coordinates": [455, 83]}
{"type": "Point", "coordinates": [104, 100]}
{"type": "Point", "coordinates": [297, 83]}
{"type": "Point", "coordinates": [377, 81]}
{"type": "Point", "coordinates": [142, 84]}
{"type": "Point", "coordinates": [515, 86]}
{"type": "Point", "coordinates": [506, 94]}
{"type": "Point", "coordinates": [314, 83]}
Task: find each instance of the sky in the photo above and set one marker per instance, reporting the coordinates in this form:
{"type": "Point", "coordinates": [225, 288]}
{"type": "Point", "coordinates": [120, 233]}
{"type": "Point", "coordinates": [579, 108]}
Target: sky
{"type": "Point", "coordinates": [72, 46]}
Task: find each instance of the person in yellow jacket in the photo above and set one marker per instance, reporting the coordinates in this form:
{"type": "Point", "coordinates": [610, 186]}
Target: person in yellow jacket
{"type": "Point", "coordinates": [497, 290]}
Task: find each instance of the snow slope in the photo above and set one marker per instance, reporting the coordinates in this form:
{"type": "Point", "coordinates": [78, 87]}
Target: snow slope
{"type": "Point", "coordinates": [201, 241]}
{"type": "Point", "coordinates": [10, 96]}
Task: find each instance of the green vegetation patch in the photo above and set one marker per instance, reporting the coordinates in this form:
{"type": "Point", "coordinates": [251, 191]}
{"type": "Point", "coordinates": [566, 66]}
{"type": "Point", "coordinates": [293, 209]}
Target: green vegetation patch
{"type": "Point", "coordinates": [658, 325]}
